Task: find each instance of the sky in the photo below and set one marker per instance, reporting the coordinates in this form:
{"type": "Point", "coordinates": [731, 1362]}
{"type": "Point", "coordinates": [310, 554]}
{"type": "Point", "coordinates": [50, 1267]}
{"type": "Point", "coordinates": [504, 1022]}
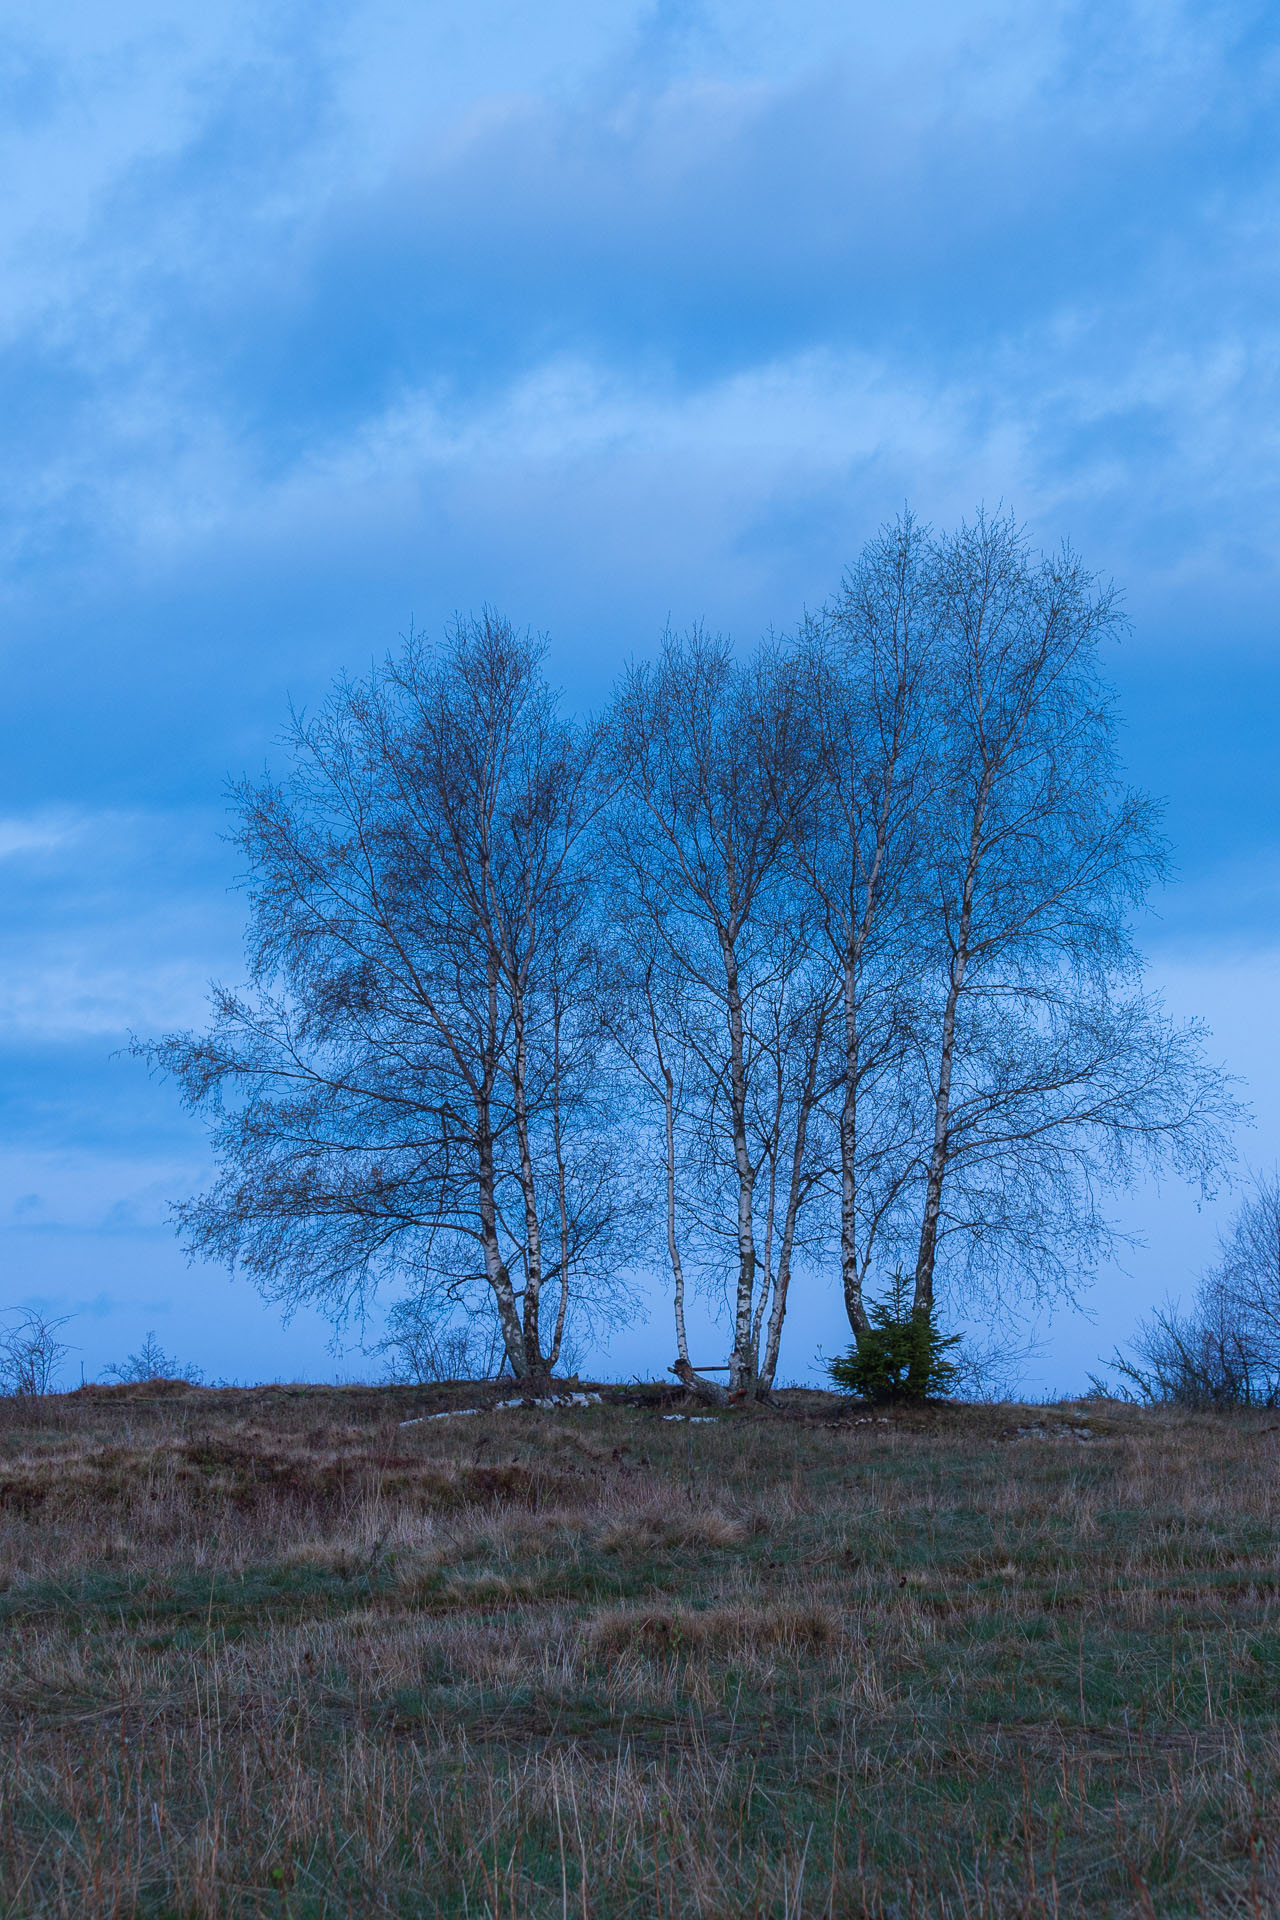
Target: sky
{"type": "Point", "coordinates": [317, 321]}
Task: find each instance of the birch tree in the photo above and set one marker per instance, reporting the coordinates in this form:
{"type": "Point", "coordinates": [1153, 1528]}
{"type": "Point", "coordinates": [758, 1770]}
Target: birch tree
{"type": "Point", "coordinates": [1052, 1074]}
{"type": "Point", "coordinates": [410, 1085]}
{"type": "Point", "coordinates": [701, 849]}
{"type": "Point", "coordinates": [866, 671]}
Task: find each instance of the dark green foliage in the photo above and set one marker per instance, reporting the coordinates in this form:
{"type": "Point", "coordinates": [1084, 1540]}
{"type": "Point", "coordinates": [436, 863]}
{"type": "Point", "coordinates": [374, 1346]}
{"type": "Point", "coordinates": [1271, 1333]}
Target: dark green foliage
{"type": "Point", "coordinates": [901, 1357]}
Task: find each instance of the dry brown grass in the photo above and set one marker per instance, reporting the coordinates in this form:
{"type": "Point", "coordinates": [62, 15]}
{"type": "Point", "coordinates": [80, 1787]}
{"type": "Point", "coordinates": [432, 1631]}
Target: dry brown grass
{"type": "Point", "coordinates": [741, 1630]}
{"type": "Point", "coordinates": [272, 1653]}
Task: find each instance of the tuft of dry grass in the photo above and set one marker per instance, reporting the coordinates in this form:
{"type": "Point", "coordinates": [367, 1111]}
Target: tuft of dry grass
{"type": "Point", "coordinates": [741, 1629]}
{"type": "Point", "coordinates": [647, 1532]}
{"type": "Point", "coordinates": [271, 1653]}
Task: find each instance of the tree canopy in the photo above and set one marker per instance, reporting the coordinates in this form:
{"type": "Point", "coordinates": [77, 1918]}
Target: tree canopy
{"type": "Point", "coordinates": [820, 951]}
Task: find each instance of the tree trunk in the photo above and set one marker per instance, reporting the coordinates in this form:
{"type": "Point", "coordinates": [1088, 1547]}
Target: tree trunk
{"type": "Point", "coordinates": [850, 1269]}
{"type": "Point", "coordinates": [494, 1265]}
{"type": "Point", "coordinates": [795, 1198]}
{"type": "Point", "coordinates": [535, 1364]}
{"type": "Point", "coordinates": [694, 1382]}
{"type": "Point", "coordinates": [770, 1211]}
{"type": "Point", "coordinates": [922, 1301]}
{"type": "Point", "coordinates": [852, 1265]}
{"type": "Point", "coordinates": [562, 1200]}
{"type": "Point", "coordinates": [673, 1244]}
{"type": "Point", "coordinates": [742, 1370]}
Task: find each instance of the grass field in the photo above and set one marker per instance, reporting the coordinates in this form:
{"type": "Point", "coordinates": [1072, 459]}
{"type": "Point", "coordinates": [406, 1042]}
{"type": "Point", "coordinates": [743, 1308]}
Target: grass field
{"type": "Point", "coordinates": [271, 1652]}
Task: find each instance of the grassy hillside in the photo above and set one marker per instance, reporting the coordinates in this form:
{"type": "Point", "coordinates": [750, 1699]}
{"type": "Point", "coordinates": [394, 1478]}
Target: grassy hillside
{"type": "Point", "coordinates": [274, 1653]}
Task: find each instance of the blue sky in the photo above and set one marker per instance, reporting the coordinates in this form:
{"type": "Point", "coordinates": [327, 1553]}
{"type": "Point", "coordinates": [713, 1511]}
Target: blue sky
{"type": "Point", "coordinates": [316, 320]}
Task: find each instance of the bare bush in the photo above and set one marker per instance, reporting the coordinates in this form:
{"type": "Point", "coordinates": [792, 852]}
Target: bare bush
{"type": "Point", "coordinates": [1192, 1360]}
{"type": "Point", "coordinates": [1225, 1350]}
{"type": "Point", "coordinates": [31, 1353]}
{"type": "Point", "coordinates": [1244, 1288]}
{"type": "Point", "coordinates": [151, 1362]}
{"type": "Point", "coordinates": [990, 1366]}
{"type": "Point", "coordinates": [423, 1345]}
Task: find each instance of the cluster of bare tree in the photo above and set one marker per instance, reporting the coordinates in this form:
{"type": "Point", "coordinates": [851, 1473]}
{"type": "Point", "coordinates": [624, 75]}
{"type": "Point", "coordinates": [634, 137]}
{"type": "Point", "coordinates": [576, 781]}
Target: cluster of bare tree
{"type": "Point", "coordinates": [823, 949]}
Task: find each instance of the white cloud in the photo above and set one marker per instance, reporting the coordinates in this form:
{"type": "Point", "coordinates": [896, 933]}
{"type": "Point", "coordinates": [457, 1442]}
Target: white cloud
{"type": "Point", "coordinates": [114, 922]}
{"type": "Point", "coordinates": [37, 833]}
{"type": "Point", "coordinates": [68, 995]}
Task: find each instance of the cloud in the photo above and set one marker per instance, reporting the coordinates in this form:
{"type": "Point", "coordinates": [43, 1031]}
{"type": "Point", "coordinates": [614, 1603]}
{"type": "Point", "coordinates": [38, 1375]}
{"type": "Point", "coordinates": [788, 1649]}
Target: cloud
{"type": "Point", "coordinates": [68, 996]}
{"type": "Point", "coordinates": [315, 319]}
{"type": "Point", "coordinates": [561, 252]}
{"type": "Point", "coordinates": [71, 1190]}
{"type": "Point", "coordinates": [111, 924]}
{"type": "Point", "coordinates": [39, 833]}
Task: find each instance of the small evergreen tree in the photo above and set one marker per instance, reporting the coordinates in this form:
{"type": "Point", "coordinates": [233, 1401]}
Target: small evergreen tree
{"type": "Point", "coordinates": [900, 1357]}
